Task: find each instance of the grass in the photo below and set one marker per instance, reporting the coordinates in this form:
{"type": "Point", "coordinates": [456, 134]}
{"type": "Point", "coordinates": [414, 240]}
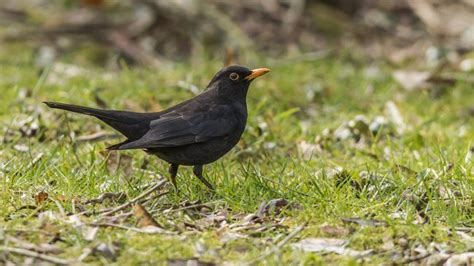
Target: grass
{"type": "Point", "coordinates": [419, 181]}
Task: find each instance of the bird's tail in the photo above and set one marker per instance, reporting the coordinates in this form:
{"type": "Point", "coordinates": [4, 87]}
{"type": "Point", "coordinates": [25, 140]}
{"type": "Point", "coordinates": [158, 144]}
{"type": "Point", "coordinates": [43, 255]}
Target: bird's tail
{"type": "Point", "coordinates": [77, 109]}
{"type": "Point", "coordinates": [131, 124]}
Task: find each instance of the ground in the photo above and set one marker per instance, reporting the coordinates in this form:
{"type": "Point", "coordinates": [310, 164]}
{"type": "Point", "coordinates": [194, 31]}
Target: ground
{"type": "Point", "coordinates": [335, 151]}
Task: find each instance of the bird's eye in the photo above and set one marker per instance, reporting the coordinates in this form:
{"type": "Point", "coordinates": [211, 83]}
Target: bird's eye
{"type": "Point", "coordinates": [234, 76]}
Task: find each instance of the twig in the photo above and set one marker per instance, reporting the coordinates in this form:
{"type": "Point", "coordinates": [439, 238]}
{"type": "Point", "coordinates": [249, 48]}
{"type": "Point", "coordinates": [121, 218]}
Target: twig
{"type": "Point", "coordinates": [198, 205]}
{"type": "Point", "coordinates": [121, 216]}
{"type": "Point", "coordinates": [136, 199]}
{"type": "Point", "coordinates": [280, 244]}
{"type": "Point", "coordinates": [415, 258]}
{"type": "Point", "coordinates": [152, 229]}
{"type": "Point", "coordinates": [36, 255]}
{"type": "Point", "coordinates": [42, 248]}
{"type": "Point", "coordinates": [104, 196]}
{"type": "Point", "coordinates": [291, 235]}
{"type": "Point", "coordinates": [108, 211]}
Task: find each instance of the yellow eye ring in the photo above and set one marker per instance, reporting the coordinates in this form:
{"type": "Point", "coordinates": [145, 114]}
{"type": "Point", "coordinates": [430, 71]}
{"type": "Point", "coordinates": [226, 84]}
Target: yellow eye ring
{"type": "Point", "coordinates": [234, 76]}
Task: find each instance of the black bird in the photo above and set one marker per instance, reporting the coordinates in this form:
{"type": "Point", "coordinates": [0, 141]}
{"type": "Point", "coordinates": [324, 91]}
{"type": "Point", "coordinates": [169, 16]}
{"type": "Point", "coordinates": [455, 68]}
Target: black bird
{"type": "Point", "coordinates": [195, 132]}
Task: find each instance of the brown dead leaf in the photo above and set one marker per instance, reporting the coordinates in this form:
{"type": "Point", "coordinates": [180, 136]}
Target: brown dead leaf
{"type": "Point", "coordinates": [274, 207]}
{"type": "Point", "coordinates": [143, 217]}
{"type": "Point", "coordinates": [40, 197]}
{"type": "Point", "coordinates": [62, 198]}
{"type": "Point", "coordinates": [335, 231]}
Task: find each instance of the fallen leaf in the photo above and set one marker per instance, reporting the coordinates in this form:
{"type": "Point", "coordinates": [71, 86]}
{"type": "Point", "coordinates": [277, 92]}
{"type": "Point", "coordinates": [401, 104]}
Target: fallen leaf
{"type": "Point", "coordinates": [388, 243]}
{"type": "Point", "coordinates": [40, 197]}
{"type": "Point", "coordinates": [461, 259]}
{"type": "Point", "coordinates": [329, 245]}
{"type": "Point", "coordinates": [85, 253]}
{"type": "Point", "coordinates": [322, 245]}
{"type": "Point", "coordinates": [151, 229]}
{"type": "Point", "coordinates": [274, 207]}
{"type": "Point", "coordinates": [143, 217]}
{"type": "Point", "coordinates": [106, 251]}
{"type": "Point", "coordinates": [89, 233]}
{"type": "Point", "coordinates": [334, 230]}
{"type": "Point", "coordinates": [436, 259]}
{"type": "Point", "coordinates": [212, 220]}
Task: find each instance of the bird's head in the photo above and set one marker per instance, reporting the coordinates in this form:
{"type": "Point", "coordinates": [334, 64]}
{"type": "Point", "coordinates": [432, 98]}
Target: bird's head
{"type": "Point", "coordinates": [234, 81]}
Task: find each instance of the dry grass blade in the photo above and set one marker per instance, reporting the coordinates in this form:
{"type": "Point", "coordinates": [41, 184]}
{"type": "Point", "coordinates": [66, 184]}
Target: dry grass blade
{"type": "Point", "coordinates": [136, 199]}
{"type": "Point", "coordinates": [42, 248]}
{"type": "Point", "coordinates": [145, 230]}
{"type": "Point", "coordinates": [104, 196]}
{"type": "Point", "coordinates": [101, 135]}
{"type": "Point", "coordinates": [36, 255]}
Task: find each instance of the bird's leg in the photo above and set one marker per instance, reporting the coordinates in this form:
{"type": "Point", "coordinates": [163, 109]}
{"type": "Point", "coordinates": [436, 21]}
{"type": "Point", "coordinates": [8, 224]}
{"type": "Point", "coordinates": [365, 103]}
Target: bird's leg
{"type": "Point", "coordinates": [173, 170]}
{"type": "Point", "coordinates": [197, 170]}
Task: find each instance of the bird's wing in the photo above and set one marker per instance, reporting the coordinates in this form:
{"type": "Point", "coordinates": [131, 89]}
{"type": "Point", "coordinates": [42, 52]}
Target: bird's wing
{"type": "Point", "coordinates": [182, 128]}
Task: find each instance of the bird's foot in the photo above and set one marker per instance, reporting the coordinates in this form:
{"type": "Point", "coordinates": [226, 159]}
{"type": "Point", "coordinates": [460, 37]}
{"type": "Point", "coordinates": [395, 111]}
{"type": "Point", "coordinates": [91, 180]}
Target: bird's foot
{"type": "Point", "coordinates": [198, 172]}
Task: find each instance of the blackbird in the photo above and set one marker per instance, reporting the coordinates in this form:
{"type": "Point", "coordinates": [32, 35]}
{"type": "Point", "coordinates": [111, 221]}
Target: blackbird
{"type": "Point", "coordinates": [195, 132]}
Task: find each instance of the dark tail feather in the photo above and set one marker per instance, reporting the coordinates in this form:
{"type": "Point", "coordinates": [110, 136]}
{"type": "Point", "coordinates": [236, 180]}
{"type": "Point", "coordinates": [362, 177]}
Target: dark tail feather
{"type": "Point", "coordinates": [117, 146]}
{"type": "Point", "coordinates": [132, 125]}
{"type": "Point", "coordinates": [76, 108]}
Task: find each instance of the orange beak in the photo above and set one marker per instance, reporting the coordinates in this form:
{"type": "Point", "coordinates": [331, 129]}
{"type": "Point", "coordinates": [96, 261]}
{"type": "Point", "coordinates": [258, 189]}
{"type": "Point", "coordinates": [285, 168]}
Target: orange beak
{"type": "Point", "coordinates": [257, 73]}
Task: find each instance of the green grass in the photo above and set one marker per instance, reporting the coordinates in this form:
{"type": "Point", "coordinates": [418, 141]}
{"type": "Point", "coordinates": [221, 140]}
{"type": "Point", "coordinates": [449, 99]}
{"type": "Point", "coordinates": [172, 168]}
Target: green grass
{"type": "Point", "coordinates": [422, 175]}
